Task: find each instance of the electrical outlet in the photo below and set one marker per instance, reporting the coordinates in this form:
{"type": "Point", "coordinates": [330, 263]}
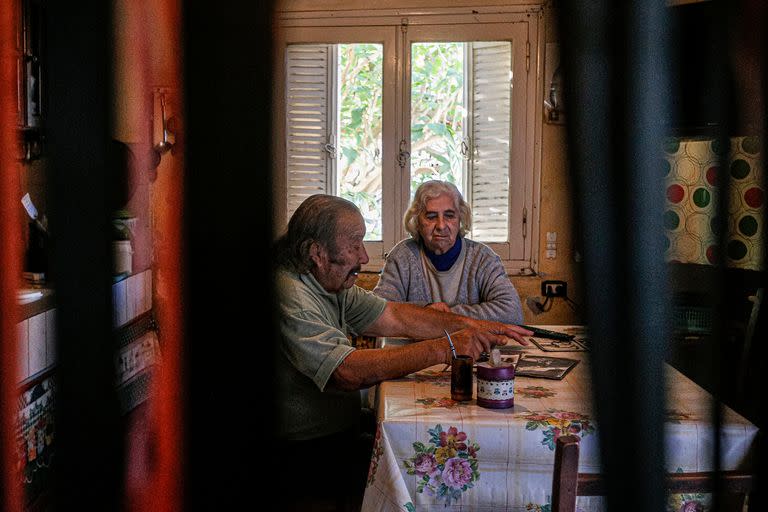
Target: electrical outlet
{"type": "Point", "coordinates": [554, 288]}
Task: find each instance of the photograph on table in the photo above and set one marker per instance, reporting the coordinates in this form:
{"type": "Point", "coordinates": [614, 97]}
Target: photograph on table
{"type": "Point", "coordinates": [579, 333]}
{"type": "Point", "coordinates": [550, 345]}
{"type": "Point", "coordinates": [510, 359]}
{"type": "Point", "coordinates": [544, 367]}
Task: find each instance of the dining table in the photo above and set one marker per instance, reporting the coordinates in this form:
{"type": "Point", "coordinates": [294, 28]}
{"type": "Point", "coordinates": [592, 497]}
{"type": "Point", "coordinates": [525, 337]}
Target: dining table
{"type": "Point", "coordinates": [432, 453]}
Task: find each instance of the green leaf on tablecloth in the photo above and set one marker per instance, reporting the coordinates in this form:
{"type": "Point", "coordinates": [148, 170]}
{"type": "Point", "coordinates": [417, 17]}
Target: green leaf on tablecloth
{"type": "Point", "coordinates": [555, 423]}
{"type": "Point", "coordinates": [419, 447]}
{"type": "Point", "coordinates": [435, 434]}
{"type": "Point", "coordinates": [409, 507]}
{"type": "Point", "coordinates": [536, 507]}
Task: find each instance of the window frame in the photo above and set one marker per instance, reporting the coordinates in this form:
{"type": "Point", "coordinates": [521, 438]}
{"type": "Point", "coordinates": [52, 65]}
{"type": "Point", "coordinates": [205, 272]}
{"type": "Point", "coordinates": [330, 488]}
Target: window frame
{"type": "Point", "coordinates": [390, 28]}
{"type": "Point", "coordinates": [386, 36]}
{"type": "Point", "coordinates": [501, 31]}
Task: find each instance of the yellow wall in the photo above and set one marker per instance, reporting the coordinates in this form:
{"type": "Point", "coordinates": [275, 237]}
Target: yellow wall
{"type": "Point", "coordinates": [148, 56]}
{"type": "Point", "coordinates": [556, 216]}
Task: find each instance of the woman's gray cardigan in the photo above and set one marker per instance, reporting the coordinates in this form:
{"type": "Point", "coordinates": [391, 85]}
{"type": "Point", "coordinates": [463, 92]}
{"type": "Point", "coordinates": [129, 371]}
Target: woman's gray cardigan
{"type": "Point", "coordinates": [486, 291]}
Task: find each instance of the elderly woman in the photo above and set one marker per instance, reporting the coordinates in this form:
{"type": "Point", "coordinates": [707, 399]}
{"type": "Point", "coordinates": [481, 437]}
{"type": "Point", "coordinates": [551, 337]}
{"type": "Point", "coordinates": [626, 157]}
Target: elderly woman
{"type": "Point", "coordinates": [439, 268]}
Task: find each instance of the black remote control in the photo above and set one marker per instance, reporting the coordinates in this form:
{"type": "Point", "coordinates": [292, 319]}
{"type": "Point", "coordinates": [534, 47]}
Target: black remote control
{"type": "Point", "coordinates": [545, 333]}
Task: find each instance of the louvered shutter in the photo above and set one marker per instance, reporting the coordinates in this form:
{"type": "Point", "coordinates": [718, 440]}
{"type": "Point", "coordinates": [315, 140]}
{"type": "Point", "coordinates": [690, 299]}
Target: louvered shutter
{"type": "Point", "coordinates": [309, 100]}
{"type": "Point", "coordinates": [491, 92]}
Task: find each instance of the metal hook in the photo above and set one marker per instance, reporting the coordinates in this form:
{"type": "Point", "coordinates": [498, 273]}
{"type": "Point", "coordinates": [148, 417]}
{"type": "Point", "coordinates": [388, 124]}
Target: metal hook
{"type": "Point", "coordinates": [165, 144]}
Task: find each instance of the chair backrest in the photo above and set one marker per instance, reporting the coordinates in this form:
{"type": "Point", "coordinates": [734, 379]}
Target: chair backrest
{"type": "Point", "coordinates": [568, 483]}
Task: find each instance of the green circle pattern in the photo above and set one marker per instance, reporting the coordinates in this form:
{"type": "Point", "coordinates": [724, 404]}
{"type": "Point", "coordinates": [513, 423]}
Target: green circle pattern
{"type": "Point", "coordinates": [740, 169]}
{"type": "Point", "coordinates": [717, 149]}
{"type": "Point", "coordinates": [751, 145]}
{"type": "Point", "coordinates": [736, 250]}
{"type": "Point", "coordinates": [666, 166]}
{"type": "Point", "coordinates": [701, 197]}
{"type": "Point", "coordinates": [671, 145]}
{"type": "Point", "coordinates": [748, 225]}
{"type": "Point", "coordinates": [671, 220]}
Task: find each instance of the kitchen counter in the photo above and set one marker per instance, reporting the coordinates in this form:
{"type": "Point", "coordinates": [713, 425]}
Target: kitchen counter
{"type": "Point", "coordinates": [34, 301]}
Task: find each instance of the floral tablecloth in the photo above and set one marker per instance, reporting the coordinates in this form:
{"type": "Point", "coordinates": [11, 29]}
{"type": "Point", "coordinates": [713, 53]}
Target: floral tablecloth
{"type": "Point", "coordinates": [431, 453]}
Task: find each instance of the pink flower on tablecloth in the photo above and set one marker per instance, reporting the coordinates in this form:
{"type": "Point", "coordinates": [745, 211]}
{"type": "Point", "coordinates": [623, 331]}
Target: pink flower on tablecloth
{"type": "Point", "coordinates": [692, 506]}
{"type": "Point", "coordinates": [457, 473]}
{"type": "Point", "coordinates": [430, 402]}
{"type": "Point", "coordinates": [453, 439]}
{"type": "Point", "coordinates": [425, 464]}
{"type": "Point", "coordinates": [535, 392]}
{"type": "Point", "coordinates": [446, 466]}
{"type": "Point", "coordinates": [566, 415]}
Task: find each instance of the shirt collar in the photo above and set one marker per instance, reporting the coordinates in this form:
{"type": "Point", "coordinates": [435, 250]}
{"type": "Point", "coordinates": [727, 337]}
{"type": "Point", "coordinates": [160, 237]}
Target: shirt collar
{"type": "Point", "coordinates": [446, 260]}
{"type": "Point", "coordinates": [310, 280]}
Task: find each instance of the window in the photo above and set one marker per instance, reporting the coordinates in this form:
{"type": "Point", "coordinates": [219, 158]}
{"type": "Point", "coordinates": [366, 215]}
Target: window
{"type": "Point", "coordinates": [370, 112]}
{"type": "Point", "coordinates": [333, 119]}
{"type": "Point", "coordinates": [460, 113]}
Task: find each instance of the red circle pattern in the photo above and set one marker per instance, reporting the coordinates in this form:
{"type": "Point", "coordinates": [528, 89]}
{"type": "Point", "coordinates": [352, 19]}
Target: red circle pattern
{"type": "Point", "coordinates": [712, 254]}
{"type": "Point", "coordinates": [712, 176]}
{"type": "Point", "coordinates": [753, 197]}
{"type": "Point", "coordinates": [675, 193]}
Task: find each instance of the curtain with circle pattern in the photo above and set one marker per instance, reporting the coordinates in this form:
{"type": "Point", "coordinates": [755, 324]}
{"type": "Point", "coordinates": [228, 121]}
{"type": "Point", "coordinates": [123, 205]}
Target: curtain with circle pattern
{"type": "Point", "coordinates": [692, 167]}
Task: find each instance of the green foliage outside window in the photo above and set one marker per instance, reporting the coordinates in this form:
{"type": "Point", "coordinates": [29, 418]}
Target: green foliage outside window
{"type": "Point", "coordinates": [437, 112]}
{"type": "Point", "coordinates": [437, 122]}
{"type": "Point", "coordinates": [359, 168]}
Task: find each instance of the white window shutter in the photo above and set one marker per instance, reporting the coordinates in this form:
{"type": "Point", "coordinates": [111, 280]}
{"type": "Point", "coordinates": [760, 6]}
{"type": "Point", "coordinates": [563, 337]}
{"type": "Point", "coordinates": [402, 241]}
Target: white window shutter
{"type": "Point", "coordinates": [309, 99]}
{"type": "Point", "coordinates": [491, 93]}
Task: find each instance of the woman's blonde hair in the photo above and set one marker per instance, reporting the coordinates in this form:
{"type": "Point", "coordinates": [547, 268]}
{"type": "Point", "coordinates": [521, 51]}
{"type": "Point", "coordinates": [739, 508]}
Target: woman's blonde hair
{"type": "Point", "coordinates": [430, 190]}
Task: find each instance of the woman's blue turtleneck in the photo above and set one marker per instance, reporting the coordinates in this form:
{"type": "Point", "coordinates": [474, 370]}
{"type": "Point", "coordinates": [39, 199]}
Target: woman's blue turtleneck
{"type": "Point", "coordinates": [443, 262]}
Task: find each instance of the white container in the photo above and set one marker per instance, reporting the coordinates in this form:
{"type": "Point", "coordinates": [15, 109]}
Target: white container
{"type": "Point", "coordinates": [122, 254]}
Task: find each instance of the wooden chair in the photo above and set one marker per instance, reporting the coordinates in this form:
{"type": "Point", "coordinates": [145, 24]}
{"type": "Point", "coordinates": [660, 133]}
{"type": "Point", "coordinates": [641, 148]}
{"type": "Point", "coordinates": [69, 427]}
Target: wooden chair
{"type": "Point", "coordinates": [568, 483]}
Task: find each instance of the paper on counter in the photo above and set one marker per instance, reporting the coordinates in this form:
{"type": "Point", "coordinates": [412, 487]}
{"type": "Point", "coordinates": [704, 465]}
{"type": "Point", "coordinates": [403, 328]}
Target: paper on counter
{"type": "Point", "coordinates": [29, 206]}
{"type": "Point", "coordinates": [27, 296]}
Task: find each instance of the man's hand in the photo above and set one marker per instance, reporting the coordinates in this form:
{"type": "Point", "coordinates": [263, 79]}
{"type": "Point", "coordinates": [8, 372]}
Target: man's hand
{"type": "Point", "coordinates": [473, 342]}
{"type": "Point", "coordinates": [505, 331]}
{"type": "Point", "coordinates": [405, 320]}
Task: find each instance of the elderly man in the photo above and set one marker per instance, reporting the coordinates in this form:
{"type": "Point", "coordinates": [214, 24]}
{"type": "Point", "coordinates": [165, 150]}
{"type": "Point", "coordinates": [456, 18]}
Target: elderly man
{"type": "Point", "coordinates": [440, 268]}
{"type": "Point", "coordinates": [319, 372]}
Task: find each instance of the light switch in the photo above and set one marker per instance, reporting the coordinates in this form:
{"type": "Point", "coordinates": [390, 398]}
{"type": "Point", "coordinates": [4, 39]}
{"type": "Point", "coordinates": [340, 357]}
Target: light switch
{"type": "Point", "coordinates": [551, 249]}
